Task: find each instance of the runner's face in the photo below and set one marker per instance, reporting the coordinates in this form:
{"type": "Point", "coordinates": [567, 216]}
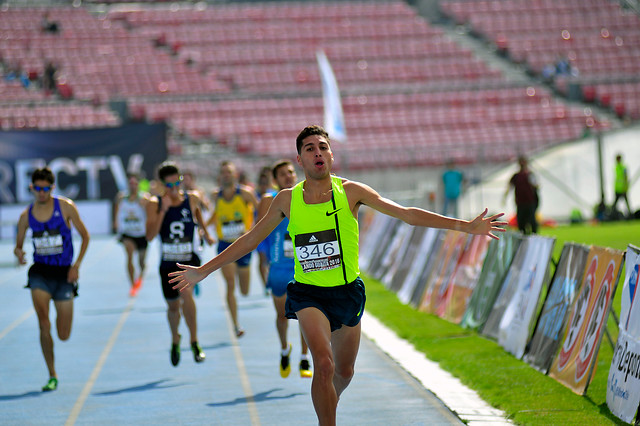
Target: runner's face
{"type": "Point", "coordinates": [187, 181]}
{"type": "Point", "coordinates": [228, 175]}
{"type": "Point", "coordinates": [133, 184]}
{"type": "Point", "coordinates": [316, 157]}
{"type": "Point", "coordinates": [42, 190]}
{"type": "Point", "coordinates": [172, 184]}
{"type": "Point", "coordinates": [286, 176]}
{"type": "Point", "coordinates": [264, 182]}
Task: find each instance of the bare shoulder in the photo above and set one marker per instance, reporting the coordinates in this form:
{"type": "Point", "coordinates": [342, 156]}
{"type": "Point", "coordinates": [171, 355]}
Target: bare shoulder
{"type": "Point", "coordinates": [24, 215]}
{"type": "Point", "coordinates": [282, 201]}
{"type": "Point", "coordinates": [247, 192]}
{"type": "Point", "coordinates": [66, 203]}
{"type": "Point", "coordinates": [152, 202]}
{"type": "Point", "coordinates": [145, 198]}
{"type": "Point", "coordinates": [357, 191]}
{"type": "Point", "coordinates": [214, 194]}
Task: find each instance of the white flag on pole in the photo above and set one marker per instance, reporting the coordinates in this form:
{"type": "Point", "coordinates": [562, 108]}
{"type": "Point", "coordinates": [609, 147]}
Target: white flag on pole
{"type": "Point", "coordinates": [333, 115]}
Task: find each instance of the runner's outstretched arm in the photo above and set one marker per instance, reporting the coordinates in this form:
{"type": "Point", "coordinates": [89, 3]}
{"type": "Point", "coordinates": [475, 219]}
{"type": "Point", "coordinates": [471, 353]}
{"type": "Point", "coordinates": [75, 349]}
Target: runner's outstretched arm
{"type": "Point", "coordinates": [481, 225]}
{"type": "Point", "coordinates": [188, 276]}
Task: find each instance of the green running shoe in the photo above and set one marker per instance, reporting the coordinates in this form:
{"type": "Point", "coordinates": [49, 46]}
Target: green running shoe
{"type": "Point", "coordinates": [198, 355]}
{"type": "Point", "coordinates": [51, 385]}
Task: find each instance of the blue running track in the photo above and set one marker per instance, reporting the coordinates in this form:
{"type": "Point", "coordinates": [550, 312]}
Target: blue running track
{"type": "Point", "coordinates": [115, 368]}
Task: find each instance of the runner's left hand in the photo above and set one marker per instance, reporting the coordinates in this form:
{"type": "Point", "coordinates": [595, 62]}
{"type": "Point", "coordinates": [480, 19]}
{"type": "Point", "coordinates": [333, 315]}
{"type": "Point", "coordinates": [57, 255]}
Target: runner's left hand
{"type": "Point", "coordinates": [482, 225]}
{"type": "Point", "coordinates": [186, 277]}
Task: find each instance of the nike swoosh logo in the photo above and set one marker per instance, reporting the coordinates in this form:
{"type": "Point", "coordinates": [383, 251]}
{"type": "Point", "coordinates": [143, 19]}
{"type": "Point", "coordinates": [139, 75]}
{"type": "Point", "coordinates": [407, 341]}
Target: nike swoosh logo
{"type": "Point", "coordinates": [333, 212]}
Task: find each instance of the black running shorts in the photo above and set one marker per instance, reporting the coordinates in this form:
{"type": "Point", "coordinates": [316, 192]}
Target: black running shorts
{"type": "Point", "coordinates": [342, 305]}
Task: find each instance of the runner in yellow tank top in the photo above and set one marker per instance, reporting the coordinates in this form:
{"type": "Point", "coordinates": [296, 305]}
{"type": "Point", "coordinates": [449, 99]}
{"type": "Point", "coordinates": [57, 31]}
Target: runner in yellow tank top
{"type": "Point", "coordinates": [234, 205]}
{"type": "Point", "coordinates": [322, 297]}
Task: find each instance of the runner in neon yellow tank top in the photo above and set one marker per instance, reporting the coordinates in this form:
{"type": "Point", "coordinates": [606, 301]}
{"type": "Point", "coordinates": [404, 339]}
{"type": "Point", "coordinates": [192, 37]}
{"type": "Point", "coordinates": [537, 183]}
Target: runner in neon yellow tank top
{"type": "Point", "coordinates": [324, 300]}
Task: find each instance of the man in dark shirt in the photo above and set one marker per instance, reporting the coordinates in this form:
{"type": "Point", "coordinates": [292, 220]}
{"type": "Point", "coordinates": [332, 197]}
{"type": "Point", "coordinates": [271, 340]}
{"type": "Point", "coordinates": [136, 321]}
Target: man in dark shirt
{"type": "Point", "coordinates": [526, 197]}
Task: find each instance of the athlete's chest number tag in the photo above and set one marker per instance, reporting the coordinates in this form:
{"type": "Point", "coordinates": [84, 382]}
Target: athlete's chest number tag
{"type": "Point", "coordinates": [232, 230]}
{"type": "Point", "coordinates": [48, 243]}
{"type": "Point", "coordinates": [318, 251]}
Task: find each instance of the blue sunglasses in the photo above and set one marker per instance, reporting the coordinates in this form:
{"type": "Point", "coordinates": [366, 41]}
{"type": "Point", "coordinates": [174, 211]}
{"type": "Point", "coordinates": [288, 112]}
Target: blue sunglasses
{"type": "Point", "coordinates": [41, 188]}
{"type": "Point", "coordinates": [173, 184]}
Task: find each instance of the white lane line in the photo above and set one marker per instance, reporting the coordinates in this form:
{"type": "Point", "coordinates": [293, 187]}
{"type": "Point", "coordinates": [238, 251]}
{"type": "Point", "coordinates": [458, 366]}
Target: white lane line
{"type": "Point", "coordinates": [77, 407]}
{"type": "Point", "coordinates": [244, 376]}
{"type": "Point", "coordinates": [460, 399]}
{"type": "Point", "coordinates": [16, 323]}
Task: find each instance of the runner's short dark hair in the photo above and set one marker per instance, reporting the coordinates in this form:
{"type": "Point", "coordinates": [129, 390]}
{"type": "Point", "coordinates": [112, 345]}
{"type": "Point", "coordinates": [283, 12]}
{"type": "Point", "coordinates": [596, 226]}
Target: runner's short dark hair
{"type": "Point", "coordinates": [278, 164]}
{"type": "Point", "coordinates": [167, 168]}
{"type": "Point", "coordinates": [43, 173]}
{"type": "Point", "coordinates": [309, 131]}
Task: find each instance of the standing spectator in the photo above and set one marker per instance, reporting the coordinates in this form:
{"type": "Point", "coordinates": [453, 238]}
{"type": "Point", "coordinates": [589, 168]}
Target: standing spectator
{"type": "Point", "coordinates": [49, 78]}
{"type": "Point", "coordinates": [526, 197]}
{"type": "Point", "coordinates": [452, 179]}
{"type": "Point", "coordinates": [621, 185]}
{"type": "Point", "coordinates": [49, 26]}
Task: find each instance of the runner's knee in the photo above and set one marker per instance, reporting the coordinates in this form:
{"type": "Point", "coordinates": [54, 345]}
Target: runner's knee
{"type": "Point", "coordinates": [324, 367]}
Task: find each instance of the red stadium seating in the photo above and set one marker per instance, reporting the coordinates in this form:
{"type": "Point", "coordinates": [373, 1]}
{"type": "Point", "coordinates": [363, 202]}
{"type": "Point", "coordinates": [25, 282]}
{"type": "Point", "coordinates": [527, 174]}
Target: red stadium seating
{"type": "Point", "coordinates": [599, 38]}
{"type": "Point", "coordinates": [245, 76]}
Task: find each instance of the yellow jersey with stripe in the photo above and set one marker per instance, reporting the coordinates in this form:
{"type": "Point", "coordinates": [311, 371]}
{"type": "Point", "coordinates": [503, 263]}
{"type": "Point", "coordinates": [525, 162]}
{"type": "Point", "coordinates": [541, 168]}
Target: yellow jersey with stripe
{"type": "Point", "coordinates": [233, 217]}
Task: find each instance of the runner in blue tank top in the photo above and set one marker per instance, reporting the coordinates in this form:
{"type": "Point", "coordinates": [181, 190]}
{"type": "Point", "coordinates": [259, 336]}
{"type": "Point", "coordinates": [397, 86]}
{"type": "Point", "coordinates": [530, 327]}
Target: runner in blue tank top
{"type": "Point", "coordinates": [53, 275]}
{"type": "Point", "coordinates": [281, 268]}
{"type": "Point", "coordinates": [264, 188]}
{"type": "Point", "coordinates": [328, 309]}
{"type": "Point", "coordinates": [173, 216]}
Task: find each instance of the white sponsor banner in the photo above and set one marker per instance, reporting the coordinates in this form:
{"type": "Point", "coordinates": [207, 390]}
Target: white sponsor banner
{"type": "Point", "coordinates": [418, 265]}
{"type": "Point", "coordinates": [369, 241]}
{"type": "Point", "coordinates": [397, 251]}
{"type": "Point", "coordinates": [623, 384]}
{"type": "Point", "coordinates": [630, 316]}
{"type": "Point", "coordinates": [516, 320]}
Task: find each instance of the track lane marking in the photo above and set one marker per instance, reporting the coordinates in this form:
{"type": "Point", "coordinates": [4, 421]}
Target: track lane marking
{"type": "Point", "coordinates": [77, 407]}
{"type": "Point", "coordinates": [16, 323]}
{"type": "Point", "coordinates": [244, 376]}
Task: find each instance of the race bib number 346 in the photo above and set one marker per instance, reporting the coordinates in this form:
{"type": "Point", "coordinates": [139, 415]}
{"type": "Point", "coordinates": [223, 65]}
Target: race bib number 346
{"type": "Point", "coordinates": [318, 251]}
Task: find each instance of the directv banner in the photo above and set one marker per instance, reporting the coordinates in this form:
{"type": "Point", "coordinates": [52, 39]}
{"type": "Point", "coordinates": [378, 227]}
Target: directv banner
{"type": "Point", "coordinates": [88, 164]}
{"type": "Point", "coordinates": [623, 384]}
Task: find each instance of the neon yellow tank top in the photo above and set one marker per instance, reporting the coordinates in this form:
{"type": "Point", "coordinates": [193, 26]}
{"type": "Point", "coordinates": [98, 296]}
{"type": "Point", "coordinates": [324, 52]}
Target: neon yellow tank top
{"type": "Point", "coordinates": [325, 238]}
{"type": "Point", "coordinates": [233, 218]}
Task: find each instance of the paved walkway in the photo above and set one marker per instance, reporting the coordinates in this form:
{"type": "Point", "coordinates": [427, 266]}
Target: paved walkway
{"type": "Point", "coordinates": [115, 368]}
